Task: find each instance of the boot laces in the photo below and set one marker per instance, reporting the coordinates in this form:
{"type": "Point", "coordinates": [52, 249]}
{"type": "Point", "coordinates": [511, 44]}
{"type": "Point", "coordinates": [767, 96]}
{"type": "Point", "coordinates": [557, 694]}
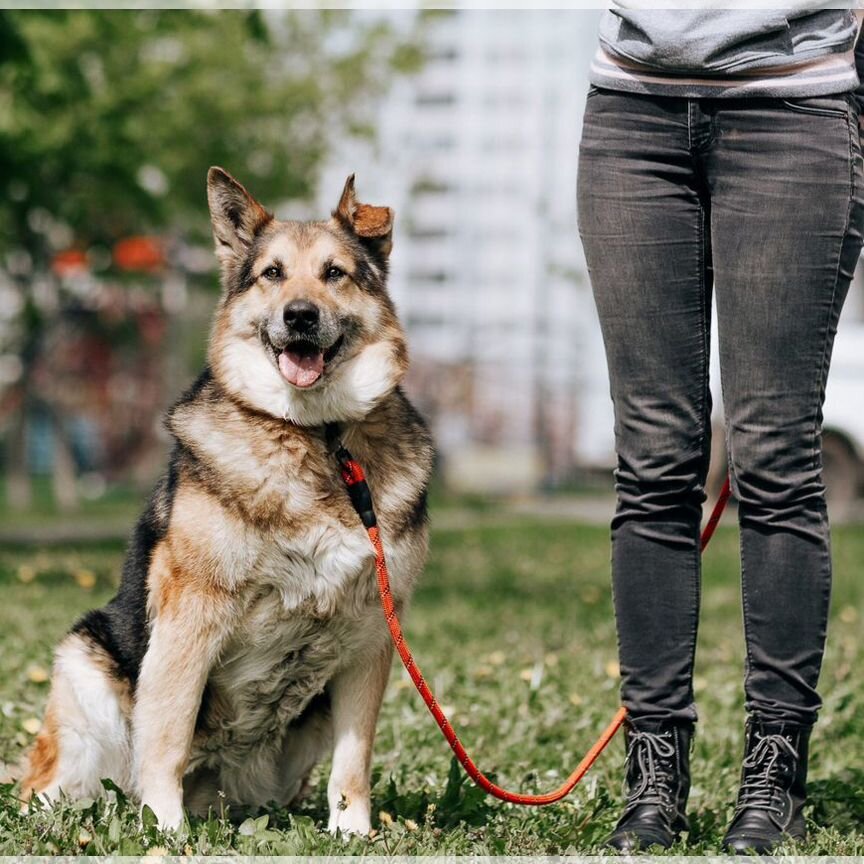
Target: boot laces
{"type": "Point", "coordinates": [762, 766]}
{"type": "Point", "coordinates": [651, 753]}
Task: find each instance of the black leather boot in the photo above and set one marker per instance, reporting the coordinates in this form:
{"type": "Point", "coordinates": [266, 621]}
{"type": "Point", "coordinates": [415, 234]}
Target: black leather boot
{"type": "Point", "coordinates": [658, 783]}
{"type": "Point", "coordinates": [773, 788]}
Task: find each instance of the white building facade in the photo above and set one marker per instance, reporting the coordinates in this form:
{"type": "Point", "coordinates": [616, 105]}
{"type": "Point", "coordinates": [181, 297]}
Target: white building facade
{"type": "Point", "coordinates": [478, 155]}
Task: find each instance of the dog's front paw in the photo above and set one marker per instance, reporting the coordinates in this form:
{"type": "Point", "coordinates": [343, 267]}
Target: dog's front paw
{"type": "Point", "coordinates": [168, 812]}
{"type": "Point", "coordinates": [350, 816]}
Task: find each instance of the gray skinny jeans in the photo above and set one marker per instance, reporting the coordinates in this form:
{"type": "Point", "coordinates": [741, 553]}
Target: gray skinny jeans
{"type": "Point", "coordinates": [759, 200]}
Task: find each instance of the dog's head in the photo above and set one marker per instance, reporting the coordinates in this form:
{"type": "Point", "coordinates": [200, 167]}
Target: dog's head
{"type": "Point", "coordinates": [305, 329]}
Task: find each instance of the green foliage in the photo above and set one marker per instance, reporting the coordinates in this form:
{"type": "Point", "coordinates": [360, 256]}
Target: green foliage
{"type": "Point", "coordinates": [109, 119]}
{"type": "Point", "coordinates": [512, 623]}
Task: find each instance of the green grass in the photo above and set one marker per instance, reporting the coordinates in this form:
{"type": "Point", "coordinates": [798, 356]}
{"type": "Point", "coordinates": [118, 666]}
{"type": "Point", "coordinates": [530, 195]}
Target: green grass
{"type": "Point", "coordinates": [119, 504]}
{"type": "Point", "coordinates": [513, 626]}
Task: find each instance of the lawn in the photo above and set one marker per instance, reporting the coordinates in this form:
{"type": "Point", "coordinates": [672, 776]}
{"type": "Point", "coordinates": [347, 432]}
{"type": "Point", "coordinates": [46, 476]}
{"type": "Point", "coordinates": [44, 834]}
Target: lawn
{"type": "Point", "coordinates": [512, 624]}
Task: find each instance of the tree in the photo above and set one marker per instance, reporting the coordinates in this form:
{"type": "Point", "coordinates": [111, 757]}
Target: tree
{"type": "Point", "coordinates": [109, 120]}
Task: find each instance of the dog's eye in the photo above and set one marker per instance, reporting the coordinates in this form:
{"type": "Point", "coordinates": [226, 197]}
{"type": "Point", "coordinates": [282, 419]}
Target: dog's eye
{"type": "Point", "coordinates": [333, 273]}
{"type": "Point", "coordinates": [272, 273]}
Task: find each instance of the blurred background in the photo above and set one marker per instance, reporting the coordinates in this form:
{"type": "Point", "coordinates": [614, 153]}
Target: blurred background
{"type": "Point", "coordinates": [466, 122]}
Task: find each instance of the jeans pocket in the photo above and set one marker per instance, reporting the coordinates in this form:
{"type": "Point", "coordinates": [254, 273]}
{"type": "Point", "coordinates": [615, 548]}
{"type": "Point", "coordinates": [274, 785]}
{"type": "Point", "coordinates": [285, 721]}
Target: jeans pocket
{"type": "Point", "coordinates": [821, 106]}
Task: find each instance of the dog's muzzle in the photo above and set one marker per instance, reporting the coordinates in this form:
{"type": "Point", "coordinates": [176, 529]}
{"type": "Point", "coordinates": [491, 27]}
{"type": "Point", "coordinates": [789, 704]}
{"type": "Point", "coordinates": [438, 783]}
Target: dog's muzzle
{"type": "Point", "coordinates": [303, 340]}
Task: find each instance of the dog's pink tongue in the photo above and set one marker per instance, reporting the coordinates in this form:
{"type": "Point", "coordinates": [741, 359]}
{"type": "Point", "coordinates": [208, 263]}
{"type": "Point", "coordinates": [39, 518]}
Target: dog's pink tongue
{"type": "Point", "coordinates": [302, 370]}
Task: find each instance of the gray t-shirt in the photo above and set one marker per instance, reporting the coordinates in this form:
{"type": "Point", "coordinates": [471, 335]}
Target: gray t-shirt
{"type": "Point", "coordinates": [728, 52]}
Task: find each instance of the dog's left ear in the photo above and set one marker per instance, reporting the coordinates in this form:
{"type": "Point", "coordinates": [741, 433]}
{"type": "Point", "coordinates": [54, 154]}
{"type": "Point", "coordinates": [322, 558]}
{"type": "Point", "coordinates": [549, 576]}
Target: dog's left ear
{"type": "Point", "coordinates": [236, 216]}
{"type": "Point", "coordinates": [373, 225]}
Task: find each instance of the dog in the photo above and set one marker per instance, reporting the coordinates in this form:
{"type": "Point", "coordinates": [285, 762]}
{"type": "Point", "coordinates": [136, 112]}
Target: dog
{"type": "Point", "coordinates": [246, 641]}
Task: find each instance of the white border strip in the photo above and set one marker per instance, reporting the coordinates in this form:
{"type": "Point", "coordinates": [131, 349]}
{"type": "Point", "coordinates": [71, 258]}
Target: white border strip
{"type": "Point", "coordinates": [381, 5]}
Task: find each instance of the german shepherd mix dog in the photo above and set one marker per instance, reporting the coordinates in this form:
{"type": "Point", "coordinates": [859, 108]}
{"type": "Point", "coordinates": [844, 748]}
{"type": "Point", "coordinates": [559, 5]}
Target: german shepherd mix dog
{"type": "Point", "coordinates": [246, 640]}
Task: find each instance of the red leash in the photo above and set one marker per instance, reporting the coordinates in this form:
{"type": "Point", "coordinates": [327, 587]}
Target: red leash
{"type": "Point", "coordinates": [716, 513]}
{"type": "Point", "coordinates": [358, 489]}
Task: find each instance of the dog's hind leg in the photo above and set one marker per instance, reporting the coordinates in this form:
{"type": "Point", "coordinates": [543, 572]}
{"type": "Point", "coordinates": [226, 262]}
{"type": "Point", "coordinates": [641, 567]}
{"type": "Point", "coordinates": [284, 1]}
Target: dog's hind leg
{"type": "Point", "coordinates": [203, 793]}
{"type": "Point", "coordinates": [277, 774]}
{"type": "Point", "coordinates": [85, 735]}
{"type": "Point", "coordinates": [305, 745]}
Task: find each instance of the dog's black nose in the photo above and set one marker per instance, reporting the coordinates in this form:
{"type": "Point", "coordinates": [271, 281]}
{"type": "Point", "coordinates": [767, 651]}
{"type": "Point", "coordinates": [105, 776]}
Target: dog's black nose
{"type": "Point", "coordinates": [301, 316]}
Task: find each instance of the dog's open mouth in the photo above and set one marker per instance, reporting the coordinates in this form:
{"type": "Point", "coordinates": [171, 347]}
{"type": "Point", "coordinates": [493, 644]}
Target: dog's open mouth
{"type": "Point", "coordinates": [302, 363]}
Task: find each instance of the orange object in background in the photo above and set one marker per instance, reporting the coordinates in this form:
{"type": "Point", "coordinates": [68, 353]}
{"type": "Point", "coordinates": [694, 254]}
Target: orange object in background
{"type": "Point", "coordinates": [69, 262]}
{"type": "Point", "coordinates": [139, 253]}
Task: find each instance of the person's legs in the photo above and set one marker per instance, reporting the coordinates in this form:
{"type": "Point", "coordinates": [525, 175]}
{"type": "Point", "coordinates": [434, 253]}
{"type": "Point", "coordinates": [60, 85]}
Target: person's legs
{"type": "Point", "coordinates": [786, 190]}
{"type": "Point", "coordinates": [644, 225]}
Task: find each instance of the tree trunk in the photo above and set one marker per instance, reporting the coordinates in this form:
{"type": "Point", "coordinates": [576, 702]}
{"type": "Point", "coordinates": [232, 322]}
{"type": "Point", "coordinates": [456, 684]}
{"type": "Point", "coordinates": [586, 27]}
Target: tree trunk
{"type": "Point", "coordinates": [19, 488]}
{"type": "Point", "coordinates": [63, 469]}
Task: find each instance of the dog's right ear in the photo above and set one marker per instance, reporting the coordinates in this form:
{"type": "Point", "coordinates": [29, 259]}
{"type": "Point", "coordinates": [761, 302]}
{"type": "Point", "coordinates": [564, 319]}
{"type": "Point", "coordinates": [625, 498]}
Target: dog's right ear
{"type": "Point", "coordinates": [236, 216]}
{"type": "Point", "coordinates": [373, 225]}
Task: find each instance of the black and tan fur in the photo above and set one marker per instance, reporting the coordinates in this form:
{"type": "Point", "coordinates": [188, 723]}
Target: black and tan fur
{"type": "Point", "coordinates": [246, 642]}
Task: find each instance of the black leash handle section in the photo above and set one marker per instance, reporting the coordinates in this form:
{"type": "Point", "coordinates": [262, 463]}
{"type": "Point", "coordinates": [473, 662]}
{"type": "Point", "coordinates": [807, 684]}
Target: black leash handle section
{"type": "Point", "coordinates": [358, 489]}
{"type": "Point", "coordinates": [352, 474]}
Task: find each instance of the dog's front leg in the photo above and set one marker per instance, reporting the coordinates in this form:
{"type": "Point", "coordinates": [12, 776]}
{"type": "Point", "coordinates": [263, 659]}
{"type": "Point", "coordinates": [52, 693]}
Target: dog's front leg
{"type": "Point", "coordinates": [186, 637]}
{"type": "Point", "coordinates": [356, 695]}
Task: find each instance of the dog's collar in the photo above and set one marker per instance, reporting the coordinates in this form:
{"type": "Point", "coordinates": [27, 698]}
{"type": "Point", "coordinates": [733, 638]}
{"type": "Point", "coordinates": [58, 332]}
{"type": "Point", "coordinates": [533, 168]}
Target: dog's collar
{"type": "Point", "coordinates": [333, 437]}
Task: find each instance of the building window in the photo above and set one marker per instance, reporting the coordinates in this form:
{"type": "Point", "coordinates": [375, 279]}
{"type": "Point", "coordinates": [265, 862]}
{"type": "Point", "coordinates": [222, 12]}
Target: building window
{"type": "Point", "coordinates": [429, 186]}
{"type": "Point", "coordinates": [428, 276]}
{"type": "Point", "coordinates": [432, 100]}
{"type": "Point", "coordinates": [428, 233]}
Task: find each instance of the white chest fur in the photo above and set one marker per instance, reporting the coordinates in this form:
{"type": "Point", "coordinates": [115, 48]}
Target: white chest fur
{"type": "Point", "coordinates": [310, 605]}
{"type": "Point", "coordinates": [322, 569]}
